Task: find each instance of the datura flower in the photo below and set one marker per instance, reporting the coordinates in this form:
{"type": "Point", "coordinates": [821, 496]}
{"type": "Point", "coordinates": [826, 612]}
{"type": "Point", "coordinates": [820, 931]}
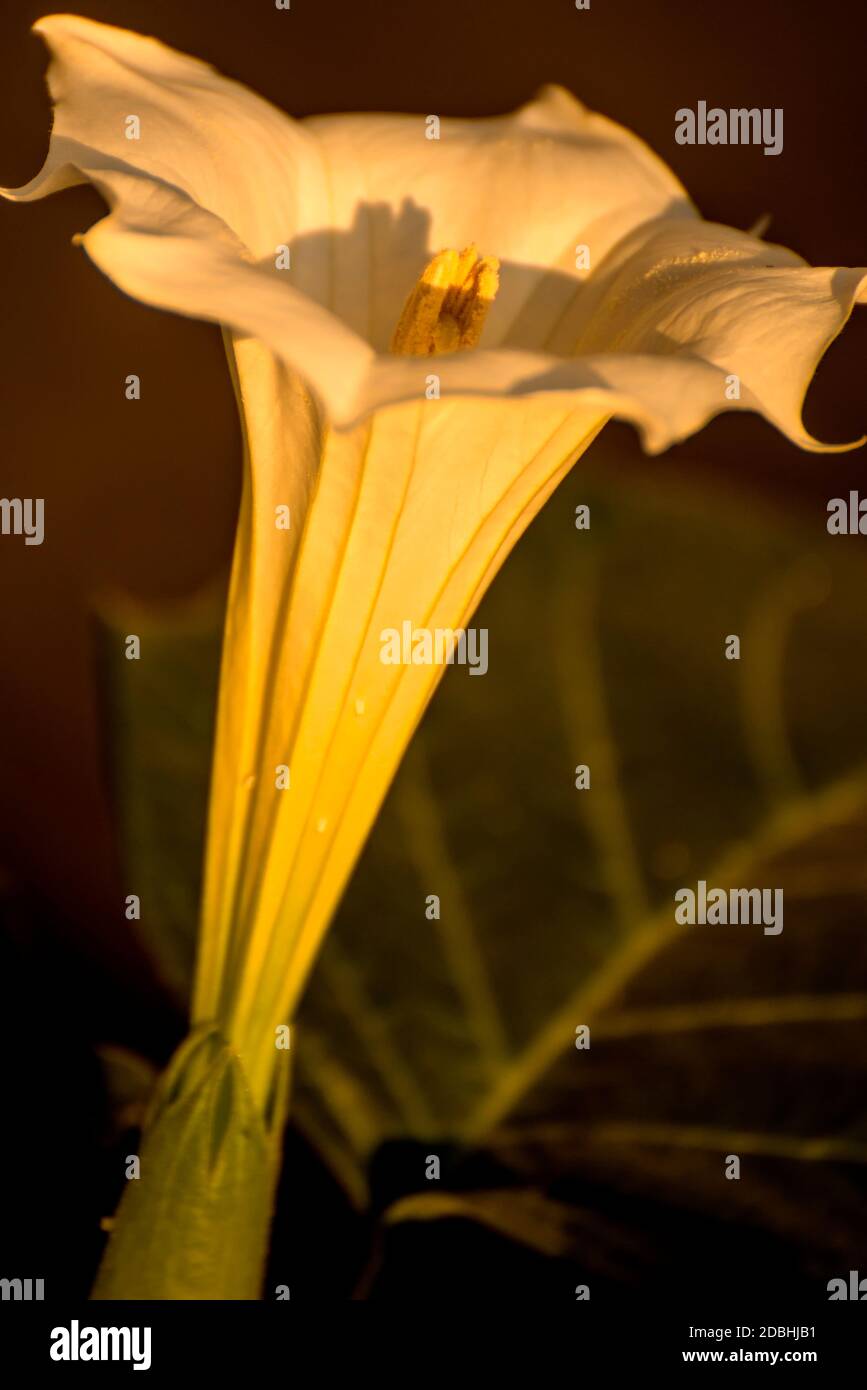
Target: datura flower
{"type": "Point", "coordinates": [424, 334]}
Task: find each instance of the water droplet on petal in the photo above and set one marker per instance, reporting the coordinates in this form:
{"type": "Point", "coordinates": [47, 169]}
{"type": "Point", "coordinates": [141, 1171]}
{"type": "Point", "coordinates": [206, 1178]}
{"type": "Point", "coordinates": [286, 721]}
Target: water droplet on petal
{"type": "Point", "coordinates": [321, 824]}
{"type": "Point", "coordinates": [359, 707]}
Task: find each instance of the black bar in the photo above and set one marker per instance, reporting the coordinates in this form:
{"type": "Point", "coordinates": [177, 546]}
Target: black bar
{"type": "Point", "coordinates": [227, 1338]}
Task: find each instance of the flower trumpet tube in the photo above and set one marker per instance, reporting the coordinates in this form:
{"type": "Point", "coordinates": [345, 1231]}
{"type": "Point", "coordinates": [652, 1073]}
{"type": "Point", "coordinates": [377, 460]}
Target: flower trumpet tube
{"type": "Point", "coordinates": [408, 403]}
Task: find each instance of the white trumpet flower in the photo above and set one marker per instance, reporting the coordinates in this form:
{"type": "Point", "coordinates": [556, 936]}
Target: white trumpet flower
{"type": "Point", "coordinates": [406, 410]}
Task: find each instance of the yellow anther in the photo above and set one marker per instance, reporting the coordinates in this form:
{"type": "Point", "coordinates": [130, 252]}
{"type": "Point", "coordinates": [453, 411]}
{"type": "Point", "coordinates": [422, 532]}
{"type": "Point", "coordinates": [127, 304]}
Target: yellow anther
{"type": "Point", "coordinates": [448, 306]}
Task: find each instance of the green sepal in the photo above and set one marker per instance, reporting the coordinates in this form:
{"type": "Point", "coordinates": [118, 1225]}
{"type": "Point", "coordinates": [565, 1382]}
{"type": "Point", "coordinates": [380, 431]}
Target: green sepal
{"type": "Point", "coordinates": [195, 1224]}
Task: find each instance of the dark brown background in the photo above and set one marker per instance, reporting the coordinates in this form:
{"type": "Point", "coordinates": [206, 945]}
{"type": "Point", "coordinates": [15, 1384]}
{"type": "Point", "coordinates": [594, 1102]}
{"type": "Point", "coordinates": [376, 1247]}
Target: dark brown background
{"type": "Point", "coordinates": [143, 497]}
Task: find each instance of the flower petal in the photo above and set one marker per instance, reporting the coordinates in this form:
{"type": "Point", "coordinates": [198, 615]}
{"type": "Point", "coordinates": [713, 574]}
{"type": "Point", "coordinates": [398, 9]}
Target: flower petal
{"type": "Point", "coordinates": [672, 308]}
{"type": "Point", "coordinates": [413, 514]}
{"type": "Point", "coordinates": [162, 248]}
{"type": "Point", "coordinates": [363, 200]}
{"type": "Point", "coordinates": [663, 367]}
{"type": "Point", "coordinates": [228, 149]}
{"type": "Point", "coordinates": [746, 306]}
{"type": "Point", "coordinates": [282, 452]}
{"type": "Point", "coordinates": [529, 188]}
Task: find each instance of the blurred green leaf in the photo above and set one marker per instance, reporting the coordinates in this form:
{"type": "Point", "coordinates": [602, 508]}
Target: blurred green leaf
{"type": "Point", "coordinates": [557, 907]}
{"type": "Point", "coordinates": [159, 710]}
{"type": "Point", "coordinates": [607, 649]}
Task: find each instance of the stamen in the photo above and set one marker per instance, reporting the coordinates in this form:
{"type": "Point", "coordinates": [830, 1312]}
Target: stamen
{"type": "Point", "coordinates": [447, 308]}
